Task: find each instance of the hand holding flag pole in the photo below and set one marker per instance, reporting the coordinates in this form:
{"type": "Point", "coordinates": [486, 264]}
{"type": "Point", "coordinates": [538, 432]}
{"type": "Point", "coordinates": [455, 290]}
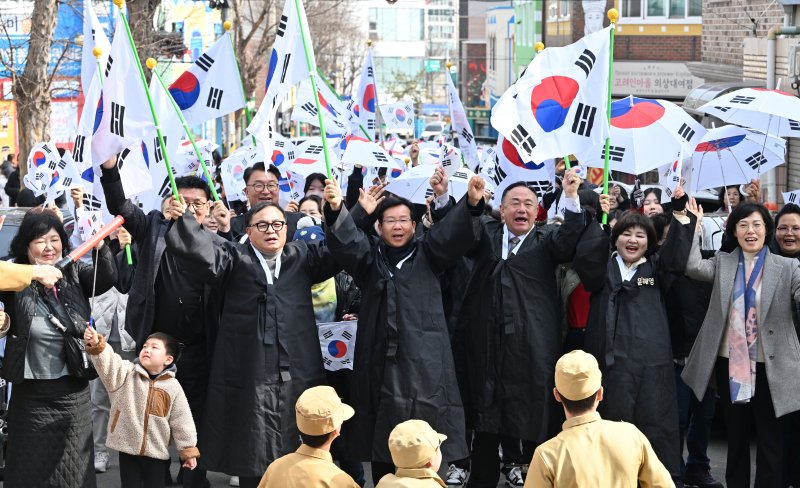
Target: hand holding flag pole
{"type": "Point", "coordinates": [613, 16]}
{"type": "Point", "coordinates": [151, 64]}
{"type": "Point", "coordinates": [162, 146]}
{"type": "Point", "coordinates": [227, 25]}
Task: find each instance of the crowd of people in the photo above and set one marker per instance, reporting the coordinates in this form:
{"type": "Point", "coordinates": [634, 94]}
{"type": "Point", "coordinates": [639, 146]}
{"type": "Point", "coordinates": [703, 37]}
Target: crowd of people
{"type": "Point", "coordinates": [489, 341]}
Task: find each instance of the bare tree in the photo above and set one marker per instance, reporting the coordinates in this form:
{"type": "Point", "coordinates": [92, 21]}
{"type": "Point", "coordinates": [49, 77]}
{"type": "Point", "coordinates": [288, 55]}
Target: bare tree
{"type": "Point", "coordinates": [407, 86]}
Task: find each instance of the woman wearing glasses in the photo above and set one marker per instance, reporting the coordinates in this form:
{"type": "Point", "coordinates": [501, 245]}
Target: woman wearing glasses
{"type": "Point", "coordinates": [267, 350]}
{"type": "Point", "coordinates": [748, 343]}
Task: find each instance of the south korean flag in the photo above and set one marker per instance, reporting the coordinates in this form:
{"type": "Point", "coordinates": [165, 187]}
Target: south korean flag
{"type": "Point", "coordinates": [337, 341]}
{"type": "Point", "coordinates": [559, 106]}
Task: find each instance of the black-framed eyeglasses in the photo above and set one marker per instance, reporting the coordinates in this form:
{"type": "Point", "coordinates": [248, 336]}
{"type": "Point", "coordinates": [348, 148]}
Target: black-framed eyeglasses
{"type": "Point", "coordinates": [263, 226]}
{"type": "Point", "coordinates": [260, 186]}
{"type": "Point", "coordinates": [197, 205]}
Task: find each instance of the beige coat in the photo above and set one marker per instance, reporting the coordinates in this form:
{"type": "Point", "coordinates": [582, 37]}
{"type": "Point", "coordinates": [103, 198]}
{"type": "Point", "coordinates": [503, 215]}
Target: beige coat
{"type": "Point", "coordinates": [306, 468]}
{"type": "Point", "coordinates": [145, 414]}
{"type": "Point", "coordinates": [411, 478]}
{"type": "Point", "coordinates": [15, 277]}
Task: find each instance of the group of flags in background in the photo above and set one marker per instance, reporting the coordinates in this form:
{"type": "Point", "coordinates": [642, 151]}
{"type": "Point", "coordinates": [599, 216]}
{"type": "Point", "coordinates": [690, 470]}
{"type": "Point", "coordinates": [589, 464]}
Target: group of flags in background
{"type": "Point", "coordinates": [557, 107]}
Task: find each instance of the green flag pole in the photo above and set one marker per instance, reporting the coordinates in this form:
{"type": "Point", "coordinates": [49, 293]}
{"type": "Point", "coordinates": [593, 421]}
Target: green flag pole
{"type": "Point", "coordinates": [97, 52]}
{"type": "Point", "coordinates": [119, 4]}
{"type": "Point", "coordinates": [613, 16]}
{"type": "Point", "coordinates": [312, 75]}
{"type": "Point", "coordinates": [151, 63]}
{"type": "Point", "coordinates": [332, 89]}
{"type": "Point", "coordinates": [227, 26]}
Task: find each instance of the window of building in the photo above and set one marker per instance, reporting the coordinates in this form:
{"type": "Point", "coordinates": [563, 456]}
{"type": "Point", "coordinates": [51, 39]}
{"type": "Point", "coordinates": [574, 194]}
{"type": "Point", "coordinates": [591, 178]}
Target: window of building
{"type": "Point", "coordinates": [397, 24]}
{"type": "Point", "coordinates": [660, 10]}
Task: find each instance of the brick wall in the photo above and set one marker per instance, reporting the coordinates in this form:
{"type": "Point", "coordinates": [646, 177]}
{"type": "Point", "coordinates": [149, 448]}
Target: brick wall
{"type": "Point", "coordinates": [668, 48]}
{"type": "Point", "coordinates": [726, 23]}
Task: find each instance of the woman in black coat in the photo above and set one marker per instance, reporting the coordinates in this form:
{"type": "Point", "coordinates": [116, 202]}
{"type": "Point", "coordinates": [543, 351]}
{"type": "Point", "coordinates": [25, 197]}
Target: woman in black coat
{"type": "Point", "coordinates": [50, 415]}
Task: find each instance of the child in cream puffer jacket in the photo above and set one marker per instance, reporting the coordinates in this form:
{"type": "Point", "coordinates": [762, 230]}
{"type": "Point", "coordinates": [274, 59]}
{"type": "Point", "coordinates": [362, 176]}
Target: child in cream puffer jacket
{"type": "Point", "coordinates": [148, 408]}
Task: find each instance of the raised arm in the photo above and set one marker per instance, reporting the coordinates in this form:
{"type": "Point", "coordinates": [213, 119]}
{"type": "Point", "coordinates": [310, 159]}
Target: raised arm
{"type": "Point", "coordinates": [135, 219]}
{"type": "Point", "coordinates": [562, 242]}
{"type": "Point", "coordinates": [205, 258]}
{"type": "Point", "coordinates": [110, 367]}
{"type": "Point", "coordinates": [348, 244]}
{"type": "Point", "coordinates": [696, 267]}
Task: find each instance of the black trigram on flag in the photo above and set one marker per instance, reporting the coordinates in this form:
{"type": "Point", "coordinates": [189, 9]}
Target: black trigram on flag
{"type": "Point", "coordinates": [499, 175]}
{"type": "Point", "coordinates": [327, 361]}
{"type": "Point", "coordinates": [327, 335]}
{"type": "Point", "coordinates": [314, 149]}
{"type": "Point", "coordinates": [91, 202]}
{"type": "Point", "coordinates": [214, 98]}
{"type": "Point", "coordinates": [165, 188]}
{"type": "Point", "coordinates": [722, 109]}
{"type": "Point", "coordinates": [62, 164]}
{"type": "Point", "coordinates": [380, 156]}
{"type": "Point", "coordinates": [122, 156]}
{"type": "Point", "coordinates": [584, 120]}
{"type": "Point", "coordinates": [460, 175]}
{"type": "Point", "coordinates": [310, 108]}
{"type": "Point", "coordinates": [159, 156]}
{"type": "Point", "coordinates": [282, 26]}
{"type": "Point", "coordinates": [615, 153]}
{"type": "Point", "coordinates": [66, 181]}
{"type": "Point", "coordinates": [586, 61]}
{"type": "Point", "coordinates": [77, 154]}
{"type": "Point", "coordinates": [793, 197]}
{"type": "Point", "coordinates": [47, 149]}
{"type": "Point", "coordinates": [279, 143]}
{"type": "Point", "coordinates": [204, 62]}
{"type": "Point", "coordinates": [51, 165]}
{"type": "Point", "coordinates": [347, 335]}
{"type": "Point", "coordinates": [741, 99]}
{"type": "Point", "coordinates": [520, 137]}
{"type": "Point", "coordinates": [371, 124]}
{"type": "Point", "coordinates": [290, 155]}
{"type": "Point", "coordinates": [794, 125]}
{"type": "Point", "coordinates": [108, 65]}
{"type": "Point", "coordinates": [370, 73]}
{"type": "Point", "coordinates": [756, 160]}
{"type": "Point", "coordinates": [285, 66]}
{"type": "Point", "coordinates": [345, 361]}
{"type": "Point", "coordinates": [428, 193]}
{"type": "Point", "coordinates": [540, 187]}
{"type": "Point", "coordinates": [466, 135]}
{"type": "Point", "coordinates": [686, 132]}
{"type": "Point", "coordinates": [117, 119]}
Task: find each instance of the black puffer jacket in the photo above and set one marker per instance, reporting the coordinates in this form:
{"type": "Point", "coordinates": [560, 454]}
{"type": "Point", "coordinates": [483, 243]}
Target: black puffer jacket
{"type": "Point", "coordinates": [73, 292]}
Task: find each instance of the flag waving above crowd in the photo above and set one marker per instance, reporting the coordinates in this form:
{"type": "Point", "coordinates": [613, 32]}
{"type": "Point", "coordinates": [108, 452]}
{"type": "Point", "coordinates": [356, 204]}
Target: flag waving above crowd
{"type": "Point", "coordinates": [559, 105]}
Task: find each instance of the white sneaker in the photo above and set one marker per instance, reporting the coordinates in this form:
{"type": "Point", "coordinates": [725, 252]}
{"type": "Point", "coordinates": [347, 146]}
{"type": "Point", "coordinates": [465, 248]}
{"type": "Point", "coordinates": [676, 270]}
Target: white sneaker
{"type": "Point", "coordinates": [514, 477]}
{"type": "Point", "coordinates": [234, 481]}
{"type": "Point", "coordinates": [456, 476]}
{"type": "Point", "coordinates": [100, 462]}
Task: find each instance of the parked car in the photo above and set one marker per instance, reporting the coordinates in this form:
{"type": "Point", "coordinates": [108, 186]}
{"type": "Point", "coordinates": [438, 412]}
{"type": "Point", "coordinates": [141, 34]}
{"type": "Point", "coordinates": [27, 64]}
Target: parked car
{"type": "Point", "coordinates": [433, 130]}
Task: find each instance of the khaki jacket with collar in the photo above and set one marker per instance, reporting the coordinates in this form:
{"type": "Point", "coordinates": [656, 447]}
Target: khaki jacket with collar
{"type": "Point", "coordinates": [411, 478]}
{"type": "Point", "coordinates": [306, 468]}
{"type": "Point", "coordinates": [145, 414]}
{"type": "Point", "coordinates": [590, 451]}
{"type": "Point", "coordinates": [14, 277]}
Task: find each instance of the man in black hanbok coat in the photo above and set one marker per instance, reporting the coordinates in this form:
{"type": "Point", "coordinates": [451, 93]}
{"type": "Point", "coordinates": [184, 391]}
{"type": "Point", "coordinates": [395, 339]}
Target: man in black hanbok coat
{"type": "Point", "coordinates": [267, 350]}
{"type": "Point", "coordinates": [403, 362]}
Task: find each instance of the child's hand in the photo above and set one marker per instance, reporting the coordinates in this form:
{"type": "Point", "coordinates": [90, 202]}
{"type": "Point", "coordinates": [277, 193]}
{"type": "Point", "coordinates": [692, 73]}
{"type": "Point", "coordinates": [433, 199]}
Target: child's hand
{"type": "Point", "coordinates": [90, 336]}
{"type": "Point", "coordinates": [190, 463]}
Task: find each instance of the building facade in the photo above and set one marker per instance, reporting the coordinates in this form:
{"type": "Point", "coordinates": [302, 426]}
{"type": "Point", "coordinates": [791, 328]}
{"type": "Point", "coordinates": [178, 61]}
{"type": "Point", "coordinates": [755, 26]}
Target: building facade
{"type": "Point", "coordinates": [528, 31]}
{"type": "Point", "coordinates": [500, 72]}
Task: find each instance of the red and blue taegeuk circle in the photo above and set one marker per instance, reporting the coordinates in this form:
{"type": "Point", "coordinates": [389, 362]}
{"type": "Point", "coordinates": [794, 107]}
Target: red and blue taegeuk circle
{"type": "Point", "coordinates": [337, 348]}
{"type": "Point", "coordinates": [396, 172]}
{"type": "Point", "coordinates": [400, 115]}
{"type": "Point", "coordinates": [185, 90]}
{"type": "Point", "coordinates": [39, 158]}
{"type": "Point", "coordinates": [368, 102]}
{"type": "Point", "coordinates": [551, 100]}
{"type": "Point", "coordinates": [324, 103]}
{"type": "Point", "coordinates": [98, 114]}
{"type": "Point", "coordinates": [719, 144]}
{"type": "Point", "coordinates": [278, 158]}
{"type": "Point", "coordinates": [511, 153]}
{"type": "Point", "coordinates": [635, 113]}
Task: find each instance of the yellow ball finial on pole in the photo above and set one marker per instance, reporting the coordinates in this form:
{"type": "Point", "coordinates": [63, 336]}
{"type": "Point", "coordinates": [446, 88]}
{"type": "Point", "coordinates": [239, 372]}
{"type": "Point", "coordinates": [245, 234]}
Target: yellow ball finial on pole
{"type": "Point", "coordinates": [538, 47]}
{"type": "Point", "coordinates": [97, 52]}
{"type": "Point", "coordinates": [119, 3]}
{"type": "Point", "coordinates": [448, 64]}
{"type": "Point", "coordinates": [227, 25]}
{"type": "Point", "coordinates": [151, 63]}
{"type": "Point", "coordinates": [613, 15]}
{"type": "Point", "coordinates": [369, 42]}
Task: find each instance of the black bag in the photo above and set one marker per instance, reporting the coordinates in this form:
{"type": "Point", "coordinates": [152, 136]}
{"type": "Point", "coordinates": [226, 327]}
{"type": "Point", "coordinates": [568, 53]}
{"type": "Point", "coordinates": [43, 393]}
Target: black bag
{"type": "Point", "coordinates": [78, 363]}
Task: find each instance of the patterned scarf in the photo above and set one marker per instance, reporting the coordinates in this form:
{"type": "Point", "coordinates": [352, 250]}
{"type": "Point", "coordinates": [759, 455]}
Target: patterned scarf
{"type": "Point", "coordinates": [743, 330]}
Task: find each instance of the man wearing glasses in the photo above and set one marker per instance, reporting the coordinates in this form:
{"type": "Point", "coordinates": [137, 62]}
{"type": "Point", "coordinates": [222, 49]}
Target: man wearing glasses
{"type": "Point", "coordinates": [162, 297]}
{"type": "Point", "coordinates": [403, 362]}
{"type": "Point", "coordinates": [262, 186]}
{"type": "Point", "coordinates": [267, 349]}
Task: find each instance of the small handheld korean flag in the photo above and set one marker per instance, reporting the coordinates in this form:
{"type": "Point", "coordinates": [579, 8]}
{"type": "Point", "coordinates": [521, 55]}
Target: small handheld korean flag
{"type": "Point", "coordinates": [792, 197]}
{"type": "Point", "coordinates": [367, 96]}
{"type": "Point", "coordinates": [398, 115]}
{"type": "Point", "coordinates": [337, 341]}
{"type": "Point", "coordinates": [211, 87]}
{"type": "Point", "coordinates": [669, 176]}
{"type": "Point", "coordinates": [559, 106]}
{"type": "Point", "coordinates": [287, 66]}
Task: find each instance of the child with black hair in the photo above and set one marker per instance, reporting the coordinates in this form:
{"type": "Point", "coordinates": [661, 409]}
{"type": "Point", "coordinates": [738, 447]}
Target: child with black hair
{"type": "Point", "coordinates": [149, 408]}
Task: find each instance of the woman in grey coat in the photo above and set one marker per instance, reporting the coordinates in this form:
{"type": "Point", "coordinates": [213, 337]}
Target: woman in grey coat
{"type": "Point", "coordinates": [748, 344]}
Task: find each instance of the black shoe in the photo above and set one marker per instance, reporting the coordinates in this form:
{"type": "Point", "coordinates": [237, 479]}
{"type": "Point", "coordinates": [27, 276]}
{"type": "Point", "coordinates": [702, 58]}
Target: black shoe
{"type": "Point", "coordinates": [700, 477]}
